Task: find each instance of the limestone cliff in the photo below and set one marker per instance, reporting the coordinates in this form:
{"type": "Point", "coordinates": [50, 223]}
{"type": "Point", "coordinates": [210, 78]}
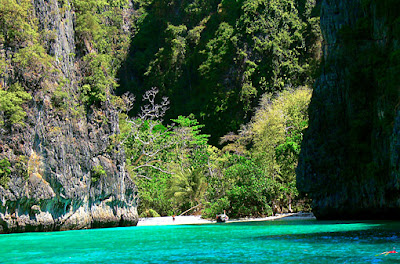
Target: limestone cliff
{"type": "Point", "coordinates": [61, 167]}
{"type": "Point", "coordinates": [349, 163]}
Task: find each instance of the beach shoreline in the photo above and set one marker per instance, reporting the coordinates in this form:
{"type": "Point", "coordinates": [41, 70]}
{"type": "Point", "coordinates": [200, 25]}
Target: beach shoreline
{"type": "Point", "coordinates": [193, 220]}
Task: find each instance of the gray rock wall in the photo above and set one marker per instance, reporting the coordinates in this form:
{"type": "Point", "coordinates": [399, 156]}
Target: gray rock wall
{"type": "Point", "coordinates": [349, 163]}
{"type": "Point", "coordinates": [56, 157]}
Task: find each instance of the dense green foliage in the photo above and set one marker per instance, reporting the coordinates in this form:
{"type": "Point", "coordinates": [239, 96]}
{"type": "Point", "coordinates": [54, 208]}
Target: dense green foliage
{"type": "Point", "coordinates": [216, 58]}
{"type": "Point", "coordinates": [4, 172]}
{"type": "Point", "coordinates": [11, 104]}
{"type": "Point", "coordinates": [96, 173]}
{"type": "Point", "coordinates": [167, 163]}
{"type": "Point", "coordinates": [253, 175]}
{"type": "Point", "coordinates": [20, 33]}
{"type": "Point", "coordinates": [100, 34]}
{"type": "Point", "coordinates": [277, 132]}
{"type": "Point", "coordinates": [239, 186]}
{"type": "Point", "coordinates": [26, 60]}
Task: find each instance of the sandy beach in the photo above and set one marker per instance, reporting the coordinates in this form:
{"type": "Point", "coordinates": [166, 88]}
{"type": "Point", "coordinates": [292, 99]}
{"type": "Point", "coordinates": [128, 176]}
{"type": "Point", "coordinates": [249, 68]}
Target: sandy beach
{"type": "Point", "coordinates": [192, 220]}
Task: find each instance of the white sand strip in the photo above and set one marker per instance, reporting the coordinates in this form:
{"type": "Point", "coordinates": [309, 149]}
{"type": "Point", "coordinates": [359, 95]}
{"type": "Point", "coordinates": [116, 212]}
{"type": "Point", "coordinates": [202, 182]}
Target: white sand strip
{"type": "Point", "coordinates": [190, 220]}
{"type": "Point", "coordinates": [179, 220]}
{"type": "Point", "coordinates": [288, 216]}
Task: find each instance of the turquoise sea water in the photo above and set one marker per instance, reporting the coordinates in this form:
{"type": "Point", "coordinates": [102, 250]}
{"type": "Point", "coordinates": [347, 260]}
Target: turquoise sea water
{"type": "Point", "coordinates": [253, 242]}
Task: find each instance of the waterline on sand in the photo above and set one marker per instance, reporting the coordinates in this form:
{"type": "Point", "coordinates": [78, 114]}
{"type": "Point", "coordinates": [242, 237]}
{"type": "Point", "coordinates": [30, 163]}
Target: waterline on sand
{"type": "Point", "coordinates": [196, 219]}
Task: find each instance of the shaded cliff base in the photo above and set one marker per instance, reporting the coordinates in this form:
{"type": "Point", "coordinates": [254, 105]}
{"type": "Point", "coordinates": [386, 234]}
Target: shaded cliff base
{"type": "Point", "coordinates": [357, 213]}
{"type": "Point", "coordinates": [100, 216]}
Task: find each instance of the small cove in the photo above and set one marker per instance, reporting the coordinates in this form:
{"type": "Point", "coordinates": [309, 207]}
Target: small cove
{"type": "Point", "coordinates": [279, 241]}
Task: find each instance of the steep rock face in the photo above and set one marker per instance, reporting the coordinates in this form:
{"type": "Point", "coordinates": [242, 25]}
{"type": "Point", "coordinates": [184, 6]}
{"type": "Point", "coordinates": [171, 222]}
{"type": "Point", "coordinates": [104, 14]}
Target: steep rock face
{"type": "Point", "coordinates": [349, 163]}
{"type": "Point", "coordinates": [66, 171]}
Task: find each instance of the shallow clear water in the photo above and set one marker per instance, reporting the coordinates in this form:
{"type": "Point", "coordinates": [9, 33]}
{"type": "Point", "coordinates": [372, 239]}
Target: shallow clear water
{"type": "Point", "coordinates": [253, 242]}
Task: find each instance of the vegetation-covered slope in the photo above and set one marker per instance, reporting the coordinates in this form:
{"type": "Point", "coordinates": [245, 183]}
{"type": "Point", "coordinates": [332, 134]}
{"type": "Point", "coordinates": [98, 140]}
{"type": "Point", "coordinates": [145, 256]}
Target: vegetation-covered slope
{"type": "Point", "coordinates": [58, 166]}
{"type": "Point", "coordinates": [216, 58]}
{"type": "Point", "coordinates": [226, 66]}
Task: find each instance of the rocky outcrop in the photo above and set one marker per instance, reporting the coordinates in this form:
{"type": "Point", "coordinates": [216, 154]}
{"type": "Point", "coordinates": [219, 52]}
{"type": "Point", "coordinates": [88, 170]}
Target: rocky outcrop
{"type": "Point", "coordinates": [349, 162]}
{"type": "Point", "coordinates": [67, 170]}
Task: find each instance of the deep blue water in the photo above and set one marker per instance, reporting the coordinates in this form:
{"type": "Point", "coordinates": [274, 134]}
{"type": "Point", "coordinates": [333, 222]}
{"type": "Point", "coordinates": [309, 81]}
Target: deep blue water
{"type": "Point", "coordinates": [253, 242]}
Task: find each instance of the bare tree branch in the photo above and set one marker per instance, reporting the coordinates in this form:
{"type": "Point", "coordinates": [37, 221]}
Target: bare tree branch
{"type": "Point", "coordinates": [143, 176]}
{"type": "Point", "coordinates": [190, 209]}
{"type": "Point", "coordinates": [149, 140]}
{"type": "Point", "coordinates": [153, 111]}
{"type": "Point", "coordinates": [128, 100]}
{"type": "Point", "coordinates": [152, 166]}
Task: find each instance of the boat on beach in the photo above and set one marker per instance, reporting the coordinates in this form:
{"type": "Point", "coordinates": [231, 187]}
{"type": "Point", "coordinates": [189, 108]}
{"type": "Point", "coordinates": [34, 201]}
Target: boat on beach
{"type": "Point", "coordinates": [222, 218]}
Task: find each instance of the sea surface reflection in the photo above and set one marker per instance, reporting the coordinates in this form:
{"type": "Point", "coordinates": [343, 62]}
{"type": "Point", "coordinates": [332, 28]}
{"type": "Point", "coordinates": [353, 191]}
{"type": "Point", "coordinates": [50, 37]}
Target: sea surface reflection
{"type": "Point", "coordinates": [280, 241]}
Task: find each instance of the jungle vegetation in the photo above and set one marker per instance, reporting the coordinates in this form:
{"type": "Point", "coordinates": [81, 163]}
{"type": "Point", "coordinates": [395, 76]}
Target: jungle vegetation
{"type": "Point", "coordinates": [225, 87]}
{"type": "Point", "coordinates": [176, 168]}
{"type": "Point", "coordinates": [236, 75]}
